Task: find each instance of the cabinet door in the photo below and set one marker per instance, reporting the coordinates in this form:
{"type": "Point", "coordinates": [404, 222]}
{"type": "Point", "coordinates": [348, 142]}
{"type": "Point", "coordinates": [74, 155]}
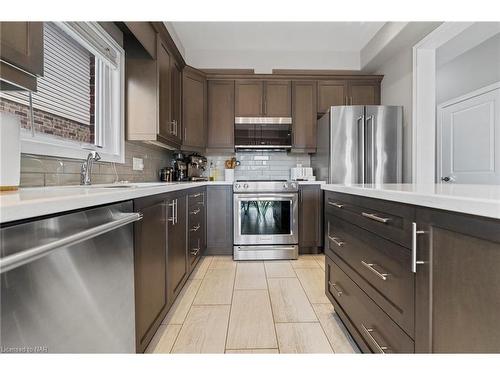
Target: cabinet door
{"type": "Point", "coordinates": [249, 98]}
{"type": "Point", "coordinates": [310, 218]}
{"type": "Point", "coordinates": [165, 128]}
{"type": "Point", "coordinates": [178, 263]}
{"type": "Point", "coordinates": [278, 99]}
{"type": "Point", "coordinates": [304, 115]}
{"type": "Point", "coordinates": [364, 93]}
{"type": "Point", "coordinates": [21, 44]}
{"type": "Point", "coordinates": [331, 93]}
{"type": "Point", "coordinates": [457, 286]}
{"type": "Point", "coordinates": [220, 114]}
{"type": "Point", "coordinates": [219, 220]}
{"type": "Point", "coordinates": [150, 260]}
{"type": "Point", "coordinates": [193, 110]}
{"type": "Point", "coordinates": [176, 97]}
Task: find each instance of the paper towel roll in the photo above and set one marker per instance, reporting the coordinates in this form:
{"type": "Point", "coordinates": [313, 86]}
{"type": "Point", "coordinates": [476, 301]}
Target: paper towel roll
{"type": "Point", "coordinates": [10, 151]}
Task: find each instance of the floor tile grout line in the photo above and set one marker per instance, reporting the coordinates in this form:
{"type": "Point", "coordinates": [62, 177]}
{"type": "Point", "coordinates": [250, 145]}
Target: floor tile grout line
{"type": "Point", "coordinates": [272, 311]}
{"type": "Point", "coordinates": [300, 282]}
{"type": "Point", "coordinates": [230, 308]}
{"type": "Point", "coordinates": [190, 307]}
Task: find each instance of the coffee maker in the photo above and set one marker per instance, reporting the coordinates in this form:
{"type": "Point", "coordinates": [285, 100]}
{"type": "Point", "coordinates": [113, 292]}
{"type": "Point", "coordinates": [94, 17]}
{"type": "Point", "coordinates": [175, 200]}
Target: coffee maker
{"type": "Point", "coordinates": [196, 165]}
{"type": "Point", "coordinates": [180, 167]}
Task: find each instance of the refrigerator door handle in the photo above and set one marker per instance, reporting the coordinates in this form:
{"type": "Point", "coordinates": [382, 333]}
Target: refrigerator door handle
{"type": "Point", "coordinates": [372, 146]}
{"type": "Point", "coordinates": [362, 146]}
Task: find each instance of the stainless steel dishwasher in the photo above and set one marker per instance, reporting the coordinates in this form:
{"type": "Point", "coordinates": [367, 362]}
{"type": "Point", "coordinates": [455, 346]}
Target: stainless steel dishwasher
{"type": "Point", "coordinates": [67, 283]}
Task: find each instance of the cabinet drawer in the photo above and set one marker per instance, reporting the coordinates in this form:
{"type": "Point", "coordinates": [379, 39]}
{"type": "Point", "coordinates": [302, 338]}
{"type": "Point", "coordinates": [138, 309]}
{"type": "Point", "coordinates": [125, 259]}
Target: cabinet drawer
{"type": "Point", "coordinates": [375, 327]}
{"type": "Point", "coordinates": [380, 267]}
{"type": "Point", "coordinates": [387, 219]}
{"type": "Point", "coordinates": [196, 199]}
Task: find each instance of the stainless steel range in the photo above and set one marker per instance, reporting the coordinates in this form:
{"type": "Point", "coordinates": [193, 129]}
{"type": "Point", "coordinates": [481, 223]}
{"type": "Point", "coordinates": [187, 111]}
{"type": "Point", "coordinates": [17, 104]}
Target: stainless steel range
{"type": "Point", "coordinates": [265, 220]}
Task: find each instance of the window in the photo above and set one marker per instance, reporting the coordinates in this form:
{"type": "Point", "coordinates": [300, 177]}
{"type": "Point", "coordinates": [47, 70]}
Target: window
{"type": "Point", "coordinates": [79, 101]}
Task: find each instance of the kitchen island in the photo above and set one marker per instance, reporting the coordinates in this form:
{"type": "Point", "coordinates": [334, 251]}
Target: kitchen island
{"type": "Point", "coordinates": [414, 268]}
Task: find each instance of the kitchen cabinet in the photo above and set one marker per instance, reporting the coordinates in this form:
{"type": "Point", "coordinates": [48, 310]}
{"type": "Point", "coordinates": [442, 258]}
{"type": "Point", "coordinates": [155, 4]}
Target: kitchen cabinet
{"type": "Point", "coordinates": [435, 294]}
{"type": "Point", "coordinates": [458, 284]}
{"type": "Point", "coordinates": [194, 94]}
{"type": "Point", "coordinates": [153, 95]}
{"type": "Point", "coordinates": [21, 54]}
{"type": "Point", "coordinates": [196, 225]}
{"type": "Point", "coordinates": [177, 258]}
{"type": "Point", "coordinates": [150, 264]}
{"type": "Point", "coordinates": [363, 92]}
{"type": "Point", "coordinates": [331, 93]}
{"type": "Point", "coordinates": [220, 98]}
{"type": "Point", "coordinates": [255, 98]}
{"type": "Point", "coordinates": [219, 220]}
{"type": "Point", "coordinates": [310, 219]}
{"type": "Point", "coordinates": [304, 116]}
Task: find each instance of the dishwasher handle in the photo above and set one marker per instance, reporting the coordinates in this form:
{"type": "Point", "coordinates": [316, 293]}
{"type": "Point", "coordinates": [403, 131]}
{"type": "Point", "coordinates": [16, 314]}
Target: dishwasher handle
{"type": "Point", "coordinates": [18, 259]}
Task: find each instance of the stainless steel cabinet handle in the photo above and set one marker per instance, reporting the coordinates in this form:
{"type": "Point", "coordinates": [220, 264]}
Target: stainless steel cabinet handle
{"type": "Point", "coordinates": [195, 251]}
{"type": "Point", "coordinates": [335, 204]}
{"type": "Point", "coordinates": [370, 266]}
{"type": "Point", "coordinates": [337, 241]}
{"type": "Point", "coordinates": [195, 228]}
{"type": "Point", "coordinates": [195, 212]}
{"type": "Point", "coordinates": [414, 233]}
{"type": "Point", "coordinates": [185, 133]}
{"type": "Point", "coordinates": [176, 212]}
{"type": "Point", "coordinates": [376, 218]}
{"type": "Point", "coordinates": [196, 195]}
{"type": "Point", "coordinates": [10, 262]}
{"type": "Point", "coordinates": [172, 218]}
{"type": "Point", "coordinates": [336, 288]}
{"type": "Point", "coordinates": [381, 348]}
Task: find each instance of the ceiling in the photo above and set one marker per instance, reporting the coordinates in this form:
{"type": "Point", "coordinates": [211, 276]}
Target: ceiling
{"type": "Point", "coordinates": [264, 46]}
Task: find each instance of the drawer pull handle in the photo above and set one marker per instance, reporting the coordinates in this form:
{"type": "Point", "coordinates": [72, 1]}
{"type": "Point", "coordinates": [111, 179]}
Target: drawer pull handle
{"type": "Point", "coordinates": [381, 348]}
{"type": "Point", "coordinates": [195, 212]}
{"type": "Point", "coordinates": [370, 266]}
{"type": "Point", "coordinates": [335, 204]}
{"type": "Point", "coordinates": [336, 288]}
{"type": "Point", "coordinates": [337, 241]}
{"type": "Point", "coordinates": [195, 228]}
{"type": "Point", "coordinates": [384, 220]}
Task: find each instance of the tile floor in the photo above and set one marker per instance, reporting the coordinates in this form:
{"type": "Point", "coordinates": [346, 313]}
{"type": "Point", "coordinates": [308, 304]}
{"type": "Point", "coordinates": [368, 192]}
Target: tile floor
{"type": "Point", "coordinates": [253, 307]}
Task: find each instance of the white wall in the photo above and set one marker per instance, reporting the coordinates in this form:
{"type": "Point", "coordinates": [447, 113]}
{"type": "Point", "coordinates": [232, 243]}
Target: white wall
{"type": "Point", "coordinates": [476, 68]}
{"type": "Point", "coordinates": [396, 89]}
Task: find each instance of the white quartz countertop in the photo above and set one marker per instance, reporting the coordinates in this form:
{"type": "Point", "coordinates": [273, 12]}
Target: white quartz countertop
{"type": "Point", "coordinates": [33, 202]}
{"type": "Point", "coordinates": [481, 200]}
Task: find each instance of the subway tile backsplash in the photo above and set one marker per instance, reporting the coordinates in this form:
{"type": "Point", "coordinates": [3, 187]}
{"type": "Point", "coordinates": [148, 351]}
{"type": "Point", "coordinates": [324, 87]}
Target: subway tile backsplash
{"type": "Point", "coordinates": [38, 170]}
{"type": "Point", "coordinates": [261, 165]}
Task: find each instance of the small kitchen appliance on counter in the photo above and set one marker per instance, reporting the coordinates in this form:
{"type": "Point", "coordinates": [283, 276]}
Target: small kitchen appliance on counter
{"type": "Point", "coordinates": [300, 173]}
{"type": "Point", "coordinates": [196, 165]}
{"type": "Point", "coordinates": [180, 167]}
{"type": "Point", "coordinates": [265, 220]}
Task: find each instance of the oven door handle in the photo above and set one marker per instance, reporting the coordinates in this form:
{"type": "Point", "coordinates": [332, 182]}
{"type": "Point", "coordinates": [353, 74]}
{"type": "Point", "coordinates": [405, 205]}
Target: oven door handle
{"type": "Point", "coordinates": [265, 197]}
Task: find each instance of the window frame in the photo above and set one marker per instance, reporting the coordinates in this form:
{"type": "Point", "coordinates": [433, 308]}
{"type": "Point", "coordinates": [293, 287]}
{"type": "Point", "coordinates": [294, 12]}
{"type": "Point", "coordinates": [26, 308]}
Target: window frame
{"type": "Point", "coordinates": [109, 125]}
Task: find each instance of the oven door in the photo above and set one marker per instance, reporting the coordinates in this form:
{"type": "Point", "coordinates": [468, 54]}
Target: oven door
{"type": "Point", "coordinates": [265, 219]}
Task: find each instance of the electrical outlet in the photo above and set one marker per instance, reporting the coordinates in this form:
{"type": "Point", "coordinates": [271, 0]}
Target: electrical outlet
{"type": "Point", "coordinates": [137, 164]}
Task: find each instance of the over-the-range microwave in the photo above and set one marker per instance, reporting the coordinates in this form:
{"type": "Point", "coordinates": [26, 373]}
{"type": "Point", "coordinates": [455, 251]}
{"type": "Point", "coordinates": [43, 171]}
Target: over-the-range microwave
{"type": "Point", "coordinates": [262, 133]}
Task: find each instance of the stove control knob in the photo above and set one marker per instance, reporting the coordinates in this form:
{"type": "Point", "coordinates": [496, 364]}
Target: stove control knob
{"type": "Point", "coordinates": [293, 185]}
{"type": "Point", "coordinates": [285, 186]}
{"type": "Point", "coordinates": [245, 186]}
{"type": "Point", "coordinates": [238, 186]}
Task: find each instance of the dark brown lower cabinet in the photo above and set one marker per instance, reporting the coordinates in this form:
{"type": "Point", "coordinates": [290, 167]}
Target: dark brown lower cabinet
{"type": "Point", "coordinates": [458, 285]}
{"type": "Point", "coordinates": [219, 220]}
{"type": "Point", "coordinates": [455, 291]}
{"type": "Point", "coordinates": [196, 226]}
{"type": "Point", "coordinates": [177, 260]}
{"type": "Point", "coordinates": [310, 219]}
{"type": "Point", "coordinates": [150, 263]}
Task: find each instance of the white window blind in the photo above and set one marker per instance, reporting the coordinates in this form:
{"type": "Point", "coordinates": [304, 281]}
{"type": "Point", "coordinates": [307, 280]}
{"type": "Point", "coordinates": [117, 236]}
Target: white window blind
{"type": "Point", "coordinates": [64, 90]}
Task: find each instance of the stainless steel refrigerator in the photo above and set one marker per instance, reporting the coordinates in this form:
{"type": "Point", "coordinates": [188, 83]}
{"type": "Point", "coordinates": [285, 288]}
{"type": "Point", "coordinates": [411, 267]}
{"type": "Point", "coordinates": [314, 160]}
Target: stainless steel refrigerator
{"type": "Point", "coordinates": [360, 144]}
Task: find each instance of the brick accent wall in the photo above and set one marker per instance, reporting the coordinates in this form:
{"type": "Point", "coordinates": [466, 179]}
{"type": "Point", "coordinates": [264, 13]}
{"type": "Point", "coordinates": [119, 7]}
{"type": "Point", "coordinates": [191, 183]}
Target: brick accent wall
{"type": "Point", "coordinates": [48, 123]}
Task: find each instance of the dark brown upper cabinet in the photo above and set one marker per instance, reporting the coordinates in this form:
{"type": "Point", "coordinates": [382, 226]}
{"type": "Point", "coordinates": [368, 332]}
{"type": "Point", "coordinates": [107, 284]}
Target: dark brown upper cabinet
{"type": "Point", "coordinates": [194, 93]}
{"type": "Point", "coordinates": [304, 116]}
{"type": "Point", "coordinates": [364, 92]}
{"type": "Point", "coordinates": [220, 97]}
{"type": "Point", "coordinates": [331, 93]}
{"type": "Point", "coordinates": [21, 54]}
{"type": "Point", "coordinates": [176, 98]}
{"type": "Point", "coordinates": [277, 98]}
{"type": "Point", "coordinates": [263, 98]}
{"type": "Point", "coordinates": [249, 97]}
{"type": "Point", "coordinates": [166, 128]}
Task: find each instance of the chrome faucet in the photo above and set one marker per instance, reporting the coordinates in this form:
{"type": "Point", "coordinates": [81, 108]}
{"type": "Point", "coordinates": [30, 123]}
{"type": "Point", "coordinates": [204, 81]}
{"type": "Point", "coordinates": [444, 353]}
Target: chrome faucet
{"type": "Point", "coordinates": [86, 171]}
